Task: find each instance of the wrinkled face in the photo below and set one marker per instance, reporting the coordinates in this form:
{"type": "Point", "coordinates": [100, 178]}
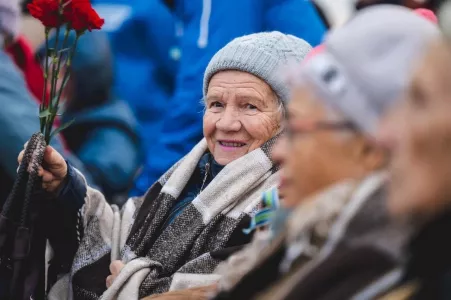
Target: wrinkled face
{"type": "Point", "coordinates": [312, 158]}
{"type": "Point", "coordinates": [418, 133]}
{"type": "Point", "coordinates": [242, 113]}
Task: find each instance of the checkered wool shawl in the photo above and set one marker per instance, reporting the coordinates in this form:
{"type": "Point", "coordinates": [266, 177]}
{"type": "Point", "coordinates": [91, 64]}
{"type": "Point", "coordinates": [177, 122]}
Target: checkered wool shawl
{"type": "Point", "coordinates": [179, 256]}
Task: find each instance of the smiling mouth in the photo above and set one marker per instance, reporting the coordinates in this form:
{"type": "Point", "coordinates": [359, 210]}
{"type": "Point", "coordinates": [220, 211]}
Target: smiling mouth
{"type": "Point", "coordinates": [231, 144]}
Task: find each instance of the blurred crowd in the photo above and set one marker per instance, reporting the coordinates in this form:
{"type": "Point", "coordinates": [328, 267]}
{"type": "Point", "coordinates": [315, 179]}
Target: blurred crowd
{"type": "Point", "coordinates": [254, 149]}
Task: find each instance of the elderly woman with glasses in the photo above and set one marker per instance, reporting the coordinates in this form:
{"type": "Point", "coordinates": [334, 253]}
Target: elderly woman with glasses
{"type": "Point", "coordinates": [339, 239]}
{"type": "Point", "coordinates": [174, 236]}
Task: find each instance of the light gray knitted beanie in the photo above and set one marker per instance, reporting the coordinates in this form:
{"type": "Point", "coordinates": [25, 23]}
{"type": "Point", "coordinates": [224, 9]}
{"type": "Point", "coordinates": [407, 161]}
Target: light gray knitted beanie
{"type": "Point", "coordinates": [366, 65]}
{"type": "Point", "coordinates": [10, 17]}
{"type": "Point", "coordinates": [260, 54]}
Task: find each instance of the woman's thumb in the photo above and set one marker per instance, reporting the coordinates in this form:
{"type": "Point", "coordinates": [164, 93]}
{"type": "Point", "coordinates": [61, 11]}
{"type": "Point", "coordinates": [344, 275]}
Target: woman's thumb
{"type": "Point", "coordinates": [52, 157]}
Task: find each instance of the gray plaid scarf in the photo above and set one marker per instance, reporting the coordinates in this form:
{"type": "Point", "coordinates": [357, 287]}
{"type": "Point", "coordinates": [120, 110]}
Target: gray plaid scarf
{"type": "Point", "coordinates": [178, 257]}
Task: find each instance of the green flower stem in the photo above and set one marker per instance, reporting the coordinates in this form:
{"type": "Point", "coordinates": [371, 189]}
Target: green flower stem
{"type": "Point", "coordinates": [45, 99]}
{"type": "Point", "coordinates": [66, 36]}
{"type": "Point", "coordinates": [54, 66]}
{"type": "Point", "coordinates": [60, 57]}
{"type": "Point", "coordinates": [65, 79]}
{"type": "Point", "coordinates": [55, 76]}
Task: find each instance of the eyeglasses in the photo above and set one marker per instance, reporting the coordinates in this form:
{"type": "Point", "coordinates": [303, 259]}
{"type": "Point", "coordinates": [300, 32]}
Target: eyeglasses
{"type": "Point", "coordinates": [310, 127]}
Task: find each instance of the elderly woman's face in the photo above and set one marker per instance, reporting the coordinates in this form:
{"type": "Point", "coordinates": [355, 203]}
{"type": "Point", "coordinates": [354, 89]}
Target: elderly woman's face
{"type": "Point", "coordinates": [418, 133]}
{"type": "Point", "coordinates": [241, 114]}
{"type": "Point", "coordinates": [312, 159]}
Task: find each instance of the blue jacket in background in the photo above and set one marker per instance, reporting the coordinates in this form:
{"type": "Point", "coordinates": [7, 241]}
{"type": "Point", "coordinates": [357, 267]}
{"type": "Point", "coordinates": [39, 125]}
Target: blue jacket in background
{"type": "Point", "coordinates": [106, 140]}
{"type": "Point", "coordinates": [142, 34]}
{"type": "Point", "coordinates": [104, 135]}
{"type": "Point", "coordinates": [208, 25]}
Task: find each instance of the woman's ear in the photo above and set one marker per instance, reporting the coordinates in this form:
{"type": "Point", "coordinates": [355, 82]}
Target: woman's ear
{"type": "Point", "coordinates": [367, 154]}
{"type": "Point", "coordinates": [373, 156]}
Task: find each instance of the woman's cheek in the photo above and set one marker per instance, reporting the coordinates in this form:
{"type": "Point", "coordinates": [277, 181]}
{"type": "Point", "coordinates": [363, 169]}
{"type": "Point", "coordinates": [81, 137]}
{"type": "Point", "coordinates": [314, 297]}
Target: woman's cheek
{"type": "Point", "coordinates": [260, 126]}
{"type": "Point", "coordinates": [209, 125]}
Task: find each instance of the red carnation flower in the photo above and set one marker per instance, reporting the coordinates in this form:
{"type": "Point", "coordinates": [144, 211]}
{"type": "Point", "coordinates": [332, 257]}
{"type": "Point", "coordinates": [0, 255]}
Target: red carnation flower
{"type": "Point", "coordinates": [46, 11]}
{"type": "Point", "coordinates": [82, 16]}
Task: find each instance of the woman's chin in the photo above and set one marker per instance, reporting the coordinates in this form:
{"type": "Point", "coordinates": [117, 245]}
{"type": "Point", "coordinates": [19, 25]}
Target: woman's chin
{"type": "Point", "coordinates": [226, 158]}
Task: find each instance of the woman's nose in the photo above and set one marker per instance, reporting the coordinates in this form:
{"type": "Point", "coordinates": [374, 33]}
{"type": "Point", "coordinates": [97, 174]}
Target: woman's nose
{"type": "Point", "coordinates": [229, 120]}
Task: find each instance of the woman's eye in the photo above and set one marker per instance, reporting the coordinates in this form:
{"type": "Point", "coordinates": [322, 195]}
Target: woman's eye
{"type": "Point", "coordinates": [216, 104]}
{"type": "Point", "coordinates": [250, 106]}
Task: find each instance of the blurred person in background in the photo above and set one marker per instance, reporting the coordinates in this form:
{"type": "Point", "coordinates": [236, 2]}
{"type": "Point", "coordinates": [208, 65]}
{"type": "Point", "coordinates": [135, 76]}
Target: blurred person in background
{"type": "Point", "coordinates": [340, 237]}
{"type": "Point", "coordinates": [418, 133]}
{"type": "Point", "coordinates": [433, 5]}
{"type": "Point", "coordinates": [203, 27]}
{"type": "Point", "coordinates": [104, 132]}
{"type": "Point", "coordinates": [336, 13]}
{"type": "Point", "coordinates": [22, 52]}
{"type": "Point", "coordinates": [144, 45]}
{"type": "Point", "coordinates": [31, 29]}
{"type": "Point", "coordinates": [19, 113]}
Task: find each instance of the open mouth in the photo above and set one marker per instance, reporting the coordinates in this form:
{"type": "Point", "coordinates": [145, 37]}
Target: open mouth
{"type": "Point", "coordinates": [231, 144]}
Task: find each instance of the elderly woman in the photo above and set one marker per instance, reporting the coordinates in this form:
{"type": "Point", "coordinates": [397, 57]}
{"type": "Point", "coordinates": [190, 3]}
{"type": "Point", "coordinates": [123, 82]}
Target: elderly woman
{"type": "Point", "coordinates": [170, 238]}
{"type": "Point", "coordinates": [418, 137]}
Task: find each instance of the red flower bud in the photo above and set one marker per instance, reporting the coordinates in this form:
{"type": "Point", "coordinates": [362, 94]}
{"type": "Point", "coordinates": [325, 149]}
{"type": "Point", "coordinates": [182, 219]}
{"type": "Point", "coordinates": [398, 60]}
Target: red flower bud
{"type": "Point", "coordinates": [46, 11]}
{"type": "Point", "coordinates": [82, 16]}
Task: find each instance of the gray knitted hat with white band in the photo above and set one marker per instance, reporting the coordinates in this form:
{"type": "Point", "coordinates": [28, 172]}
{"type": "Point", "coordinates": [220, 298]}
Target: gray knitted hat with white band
{"type": "Point", "coordinates": [10, 17]}
{"type": "Point", "coordinates": [366, 65]}
{"type": "Point", "coordinates": [260, 54]}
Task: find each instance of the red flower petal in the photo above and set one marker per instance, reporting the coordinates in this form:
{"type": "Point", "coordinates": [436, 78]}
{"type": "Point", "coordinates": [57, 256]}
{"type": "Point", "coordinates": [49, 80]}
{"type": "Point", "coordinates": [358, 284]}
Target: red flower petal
{"type": "Point", "coordinates": [82, 16]}
{"type": "Point", "coordinates": [47, 12]}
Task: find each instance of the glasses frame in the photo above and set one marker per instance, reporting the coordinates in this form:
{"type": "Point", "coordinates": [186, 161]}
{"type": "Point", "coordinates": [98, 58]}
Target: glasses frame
{"type": "Point", "coordinates": [320, 126]}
